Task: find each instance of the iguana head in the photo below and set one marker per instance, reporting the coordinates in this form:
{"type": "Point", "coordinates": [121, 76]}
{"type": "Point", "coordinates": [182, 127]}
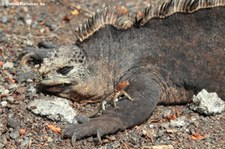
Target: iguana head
{"type": "Point", "coordinates": [66, 73]}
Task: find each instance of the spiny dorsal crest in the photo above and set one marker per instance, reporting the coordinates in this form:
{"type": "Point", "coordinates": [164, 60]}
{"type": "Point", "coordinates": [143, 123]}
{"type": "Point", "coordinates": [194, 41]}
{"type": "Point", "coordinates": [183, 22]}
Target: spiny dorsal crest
{"type": "Point", "coordinates": [164, 8]}
{"type": "Point", "coordinates": [156, 9]}
{"type": "Point", "coordinates": [101, 18]}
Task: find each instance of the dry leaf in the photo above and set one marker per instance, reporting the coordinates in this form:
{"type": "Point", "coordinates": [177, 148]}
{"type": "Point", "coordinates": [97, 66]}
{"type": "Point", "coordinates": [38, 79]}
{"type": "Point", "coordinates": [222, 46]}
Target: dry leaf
{"type": "Point", "coordinates": [197, 136]}
{"type": "Point", "coordinates": [75, 12]}
{"type": "Point", "coordinates": [1, 63]}
{"type": "Point", "coordinates": [54, 128]}
{"type": "Point", "coordinates": [11, 80]}
{"type": "Point", "coordinates": [171, 117]}
{"type": "Point", "coordinates": [67, 18]}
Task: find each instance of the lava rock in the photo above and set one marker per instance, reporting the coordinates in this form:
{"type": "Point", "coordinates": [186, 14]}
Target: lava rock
{"type": "Point", "coordinates": [14, 134]}
{"type": "Point", "coordinates": [179, 122]}
{"type": "Point", "coordinates": [57, 109]}
{"type": "Point", "coordinates": [13, 123]}
{"type": "Point", "coordinates": [207, 103]}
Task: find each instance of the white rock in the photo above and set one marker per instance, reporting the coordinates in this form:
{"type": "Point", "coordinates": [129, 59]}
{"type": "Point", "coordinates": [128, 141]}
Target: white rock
{"type": "Point", "coordinates": [159, 147]}
{"type": "Point", "coordinates": [179, 122]}
{"type": "Point", "coordinates": [57, 109]}
{"type": "Point", "coordinates": [28, 22]}
{"type": "Point", "coordinates": [207, 103]}
{"type": "Point", "coordinates": [4, 103]}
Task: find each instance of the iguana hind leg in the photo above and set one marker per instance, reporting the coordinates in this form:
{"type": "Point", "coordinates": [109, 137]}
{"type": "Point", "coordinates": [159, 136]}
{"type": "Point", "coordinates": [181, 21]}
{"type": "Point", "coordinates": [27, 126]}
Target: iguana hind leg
{"type": "Point", "coordinates": [143, 88]}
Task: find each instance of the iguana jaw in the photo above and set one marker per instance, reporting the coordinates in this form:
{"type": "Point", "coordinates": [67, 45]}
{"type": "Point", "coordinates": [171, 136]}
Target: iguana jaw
{"type": "Point", "coordinates": [62, 89]}
{"type": "Point", "coordinates": [55, 82]}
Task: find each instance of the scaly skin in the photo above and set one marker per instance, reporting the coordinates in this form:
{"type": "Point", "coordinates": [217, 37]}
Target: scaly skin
{"type": "Point", "coordinates": [165, 61]}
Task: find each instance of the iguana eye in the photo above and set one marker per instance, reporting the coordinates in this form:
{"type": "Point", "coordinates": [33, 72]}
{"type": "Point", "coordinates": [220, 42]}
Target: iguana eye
{"type": "Point", "coordinates": [64, 70]}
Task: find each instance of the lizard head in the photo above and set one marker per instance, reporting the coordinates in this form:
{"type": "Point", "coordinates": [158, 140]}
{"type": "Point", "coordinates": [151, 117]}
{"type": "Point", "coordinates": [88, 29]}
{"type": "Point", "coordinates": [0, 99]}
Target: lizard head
{"type": "Point", "coordinates": [65, 73]}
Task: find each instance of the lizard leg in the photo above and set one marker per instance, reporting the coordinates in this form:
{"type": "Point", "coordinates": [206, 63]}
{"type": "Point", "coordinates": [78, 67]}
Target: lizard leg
{"type": "Point", "coordinates": [143, 88]}
{"type": "Point", "coordinates": [116, 98]}
{"type": "Point", "coordinates": [127, 95]}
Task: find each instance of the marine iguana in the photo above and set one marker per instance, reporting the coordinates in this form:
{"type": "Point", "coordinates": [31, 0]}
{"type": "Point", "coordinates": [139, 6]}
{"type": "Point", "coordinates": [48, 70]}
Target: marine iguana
{"type": "Point", "coordinates": [168, 54]}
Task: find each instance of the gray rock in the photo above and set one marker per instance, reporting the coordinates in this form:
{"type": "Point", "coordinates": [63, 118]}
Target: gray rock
{"type": "Point", "coordinates": [1, 146]}
{"type": "Point", "coordinates": [10, 99]}
{"type": "Point", "coordinates": [57, 109]}
{"type": "Point", "coordinates": [179, 122]}
{"type": "Point", "coordinates": [165, 125]}
{"type": "Point", "coordinates": [207, 103]}
{"type": "Point", "coordinates": [5, 3]}
{"type": "Point", "coordinates": [2, 35]}
{"type": "Point", "coordinates": [13, 123]}
{"type": "Point", "coordinates": [4, 91]}
{"type": "Point", "coordinates": [3, 139]}
{"type": "Point", "coordinates": [51, 25]}
{"type": "Point", "coordinates": [15, 134]}
{"type": "Point", "coordinates": [25, 74]}
{"type": "Point", "coordinates": [4, 19]}
{"type": "Point", "coordinates": [25, 142]}
{"type": "Point", "coordinates": [8, 65]}
{"type": "Point", "coordinates": [166, 113]}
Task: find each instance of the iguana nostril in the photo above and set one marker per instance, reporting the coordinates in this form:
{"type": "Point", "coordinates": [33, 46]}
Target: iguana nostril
{"type": "Point", "coordinates": [65, 70]}
{"type": "Point", "coordinates": [44, 77]}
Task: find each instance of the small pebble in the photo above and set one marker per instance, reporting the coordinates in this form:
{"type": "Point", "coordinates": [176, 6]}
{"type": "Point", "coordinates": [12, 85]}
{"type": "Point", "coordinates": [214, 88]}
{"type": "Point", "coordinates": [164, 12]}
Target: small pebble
{"type": "Point", "coordinates": [90, 139]}
{"type": "Point", "coordinates": [165, 125]}
{"type": "Point", "coordinates": [2, 89]}
{"type": "Point", "coordinates": [1, 110]}
{"type": "Point", "coordinates": [29, 42]}
{"type": "Point", "coordinates": [177, 123]}
{"type": "Point", "coordinates": [10, 99]}
{"type": "Point", "coordinates": [25, 9]}
{"type": "Point", "coordinates": [4, 19]}
{"type": "Point", "coordinates": [28, 22]}
{"type": "Point", "coordinates": [5, 92]}
{"type": "Point", "coordinates": [22, 131]}
{"type": "Point", "coordinates": [8, 65]}
{"type": "Point", "coordinates": [112, 138]}
{"type": "Point", "coordinates": [13, 123]}
{"type": "Point", "coordinates": [25, 142]}
{"type": "Point", "coordinates": [29, 80]}
{"type": "Point", "coordinates": [166, 113]}
{"type": "Point", "coordinates": [49, 139]}
{"type": "Point", "coordinates": [2, 146]}
{"type": "Point", "coordinates": [2, 35]}
{"type": "Point", "coordinates": [15, 134]}
{"type": "Point", "coordinates": [4, 103]}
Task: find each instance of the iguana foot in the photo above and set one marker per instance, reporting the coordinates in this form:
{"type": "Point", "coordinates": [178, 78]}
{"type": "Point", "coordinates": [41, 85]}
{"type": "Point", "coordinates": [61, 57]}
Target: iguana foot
{"type": "Point", "coordinates": [96, 127]}
{"type": "Point", "coordinates": [37, 53]}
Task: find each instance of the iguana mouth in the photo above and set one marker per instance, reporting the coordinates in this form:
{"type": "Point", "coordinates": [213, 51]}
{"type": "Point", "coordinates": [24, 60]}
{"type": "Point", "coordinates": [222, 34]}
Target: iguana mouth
{"type": "Point", "coordinates": [53, 88]}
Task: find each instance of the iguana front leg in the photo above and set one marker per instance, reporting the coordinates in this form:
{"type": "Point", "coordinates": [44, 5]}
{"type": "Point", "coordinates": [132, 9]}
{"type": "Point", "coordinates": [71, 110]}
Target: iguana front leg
{"type": "Point", "coordinates": [143, 88]}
